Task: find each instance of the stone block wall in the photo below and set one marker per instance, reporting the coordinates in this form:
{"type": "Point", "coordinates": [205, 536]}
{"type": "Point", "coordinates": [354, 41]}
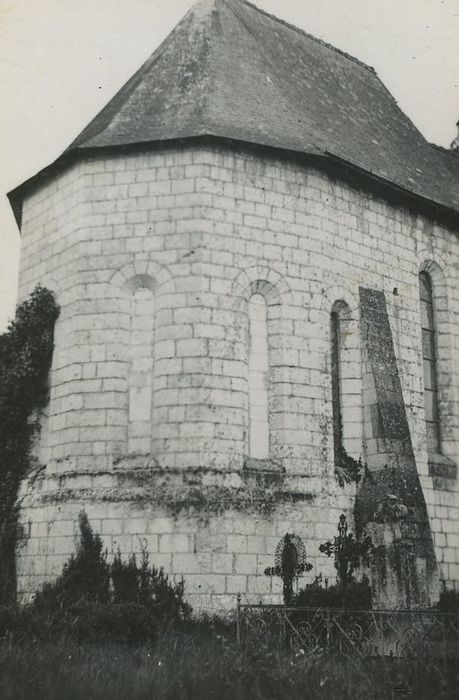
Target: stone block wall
{"type": "Point", "coordinates": [203, 229]}
{"type": "Point", "coordinates": [219, 557]}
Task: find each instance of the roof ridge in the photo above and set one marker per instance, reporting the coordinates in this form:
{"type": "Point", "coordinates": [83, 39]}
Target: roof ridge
{"type": "Point", "coordinates": [442, 149]}
{"type": "Point", "coordinates": [304, 33]}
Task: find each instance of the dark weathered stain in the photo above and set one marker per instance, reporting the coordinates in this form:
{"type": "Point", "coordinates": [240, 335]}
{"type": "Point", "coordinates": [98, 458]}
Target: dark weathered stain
{"type": "Point", "coordinates": [390, 504]}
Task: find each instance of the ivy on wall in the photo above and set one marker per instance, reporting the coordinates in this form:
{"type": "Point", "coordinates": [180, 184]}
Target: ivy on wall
{"type": "Point", "coordinates": [348, 469]}
{"type": "Point", "coordinates": [26, 350]}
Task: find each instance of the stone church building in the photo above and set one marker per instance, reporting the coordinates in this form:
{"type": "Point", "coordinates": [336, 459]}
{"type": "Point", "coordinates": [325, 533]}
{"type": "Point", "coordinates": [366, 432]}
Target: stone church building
{"type": "Point", "coordinates": [256, 257]}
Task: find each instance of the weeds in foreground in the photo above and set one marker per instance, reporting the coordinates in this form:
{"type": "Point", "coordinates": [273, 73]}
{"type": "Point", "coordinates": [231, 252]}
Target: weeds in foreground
{"type": "Point", "coordinates": [207, 665]}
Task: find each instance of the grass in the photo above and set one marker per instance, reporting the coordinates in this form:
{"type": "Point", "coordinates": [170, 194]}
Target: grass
{"type": "Point", "coordinates": [184, 666]}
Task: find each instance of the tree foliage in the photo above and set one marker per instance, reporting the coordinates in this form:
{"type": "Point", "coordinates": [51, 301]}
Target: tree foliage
{"type": "Point", "coordinates": [26, 350]}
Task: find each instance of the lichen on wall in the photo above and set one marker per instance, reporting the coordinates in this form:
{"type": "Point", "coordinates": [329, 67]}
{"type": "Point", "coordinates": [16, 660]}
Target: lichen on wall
{"type": "Point", "coordinates": [390, 506]}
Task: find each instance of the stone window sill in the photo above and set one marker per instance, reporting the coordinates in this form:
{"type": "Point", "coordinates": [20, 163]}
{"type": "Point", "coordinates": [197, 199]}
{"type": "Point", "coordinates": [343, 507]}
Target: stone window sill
{"type": "Point", "coordinates": [442, 467]}
{"type": "Point", "coordinates": [262, 472]}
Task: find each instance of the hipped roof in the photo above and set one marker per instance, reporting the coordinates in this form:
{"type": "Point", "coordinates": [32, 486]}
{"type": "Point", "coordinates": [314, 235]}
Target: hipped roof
{"type": "Point", "coordinates": [230, 70]}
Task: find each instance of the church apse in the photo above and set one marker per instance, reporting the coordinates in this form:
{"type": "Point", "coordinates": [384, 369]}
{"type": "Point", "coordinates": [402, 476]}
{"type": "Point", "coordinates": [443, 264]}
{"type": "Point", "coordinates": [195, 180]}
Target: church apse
{"type": "Point", "coordinates": [199, 426]}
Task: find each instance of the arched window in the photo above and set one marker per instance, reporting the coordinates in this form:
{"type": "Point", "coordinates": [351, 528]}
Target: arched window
{"type": "Point", "coordinates": [141, 370]}
{"type": "Point", "coordinates": [429, 360]}
{"type": "Point", "coordinates": [258, 378]}
{"type": "Point", "coordinates": [346, 383]}
{"type": "Point", "coordinates": [336, 386]}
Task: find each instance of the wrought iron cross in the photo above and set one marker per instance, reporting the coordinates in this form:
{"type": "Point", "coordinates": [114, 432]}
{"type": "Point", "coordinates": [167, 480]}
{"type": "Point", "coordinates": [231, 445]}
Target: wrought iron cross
{"type": "Point", "coordinates": [290, 562]}
{"type": "Point", "coordinates": [346, 551]}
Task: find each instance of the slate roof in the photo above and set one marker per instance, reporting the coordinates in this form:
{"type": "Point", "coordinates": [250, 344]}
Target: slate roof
{"type": "Point", "coordinates": [230, 70]}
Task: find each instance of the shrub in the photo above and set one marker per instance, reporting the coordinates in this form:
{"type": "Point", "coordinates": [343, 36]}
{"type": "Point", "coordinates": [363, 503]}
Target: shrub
{"type": "Point", "coordinates": [355, 595]}
{"type": "Point", "coordinates": [92, 600]}
{"type": "Point", "coordinates": [125, 579]}
{"type": "Point", "coordinates": [449, 601]}
{"type": "Point", "coordinates": [85, 577]}
{"type": "Point", "coordinates": [148, 586]}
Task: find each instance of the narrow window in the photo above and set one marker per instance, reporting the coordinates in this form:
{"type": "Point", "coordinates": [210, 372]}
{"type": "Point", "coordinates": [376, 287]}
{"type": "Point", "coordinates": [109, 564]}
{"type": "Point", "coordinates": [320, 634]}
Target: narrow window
{"type": "Point", "coordinates": [346, 384]}
{"type": "Point", "coordinates": [429, 364]}
{"type": "Point", "coordinates": [141, 370]}
{"type": "Point", "coordinates": [336, 388]}
{"type": "Point", "coordinates": [258, 378]}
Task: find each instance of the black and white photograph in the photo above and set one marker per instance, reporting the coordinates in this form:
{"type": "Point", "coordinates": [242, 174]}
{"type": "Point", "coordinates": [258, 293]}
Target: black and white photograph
{"type": "Point", "coordinates": [229, 350]}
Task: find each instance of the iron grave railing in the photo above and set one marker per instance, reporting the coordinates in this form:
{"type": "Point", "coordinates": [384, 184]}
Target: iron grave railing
{"type": "Point", "coordinates": [366, 633]}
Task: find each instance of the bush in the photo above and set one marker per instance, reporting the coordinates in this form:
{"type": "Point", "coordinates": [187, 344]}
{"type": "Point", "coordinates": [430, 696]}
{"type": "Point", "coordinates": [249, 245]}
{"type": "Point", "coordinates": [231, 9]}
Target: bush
{"type": "Point", "coordinates": [150, 587]}
{"type": "Point", "coordinates": [449, 601]}
{"type": "Point", "coordinates": [350, 602]}
{"type": "Point", "coordinates": [92, 600]}
{"type": "Point", "coordinates": [85, 577]}
{"type": "Point", "coordinates": [355, 595]}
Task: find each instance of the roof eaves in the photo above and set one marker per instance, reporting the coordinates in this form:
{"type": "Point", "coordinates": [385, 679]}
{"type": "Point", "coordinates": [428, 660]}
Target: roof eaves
{"type": "Point", "coordinates": [16, 195]}
{"type": "Point", "coordinates": [401, 189]}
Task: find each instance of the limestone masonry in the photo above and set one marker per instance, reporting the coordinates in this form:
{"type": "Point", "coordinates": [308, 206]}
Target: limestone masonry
{"type": "Point", "coordinates": [239, 320]}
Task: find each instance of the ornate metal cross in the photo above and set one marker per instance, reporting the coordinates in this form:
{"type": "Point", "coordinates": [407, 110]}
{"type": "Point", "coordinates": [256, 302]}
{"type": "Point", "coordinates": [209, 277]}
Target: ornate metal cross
{"type": "Point", "coordinates": [289, 563]}
{"type": "Point", "coordinates": [346, 550]}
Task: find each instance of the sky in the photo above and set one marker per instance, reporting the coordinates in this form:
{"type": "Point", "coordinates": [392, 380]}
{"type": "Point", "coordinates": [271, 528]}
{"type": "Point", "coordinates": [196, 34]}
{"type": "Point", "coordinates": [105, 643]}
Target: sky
{"type": "Point", "coordinates": [62, 60]}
